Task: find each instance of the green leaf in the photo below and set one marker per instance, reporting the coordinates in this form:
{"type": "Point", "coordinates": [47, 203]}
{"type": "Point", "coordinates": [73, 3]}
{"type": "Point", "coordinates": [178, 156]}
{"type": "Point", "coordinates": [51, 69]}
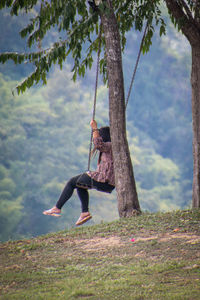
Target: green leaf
{"type": "Point", "coordinates": [162, 30]}
{"type": "Point", "coordinates": [74, 76]}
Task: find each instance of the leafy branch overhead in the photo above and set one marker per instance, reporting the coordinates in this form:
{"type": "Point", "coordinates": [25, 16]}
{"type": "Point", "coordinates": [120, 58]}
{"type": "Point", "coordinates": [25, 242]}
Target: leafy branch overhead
{"type": "Point", "coordinates": [80, 23]}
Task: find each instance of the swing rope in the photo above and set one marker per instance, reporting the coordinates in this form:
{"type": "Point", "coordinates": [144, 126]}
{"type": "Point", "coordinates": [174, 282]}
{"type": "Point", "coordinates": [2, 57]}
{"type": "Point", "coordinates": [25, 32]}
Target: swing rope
{"type": "Point", "coordinates": [136, 65]}
{"type": "Point", "coordinates": [95, 94]}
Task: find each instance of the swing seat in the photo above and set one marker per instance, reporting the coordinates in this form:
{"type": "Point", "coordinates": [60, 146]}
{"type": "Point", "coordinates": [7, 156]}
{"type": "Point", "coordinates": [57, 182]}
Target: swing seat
{"type": "Point", "coordinates": [105, 189]}
{"type": "Point", "coordinates": [83, 185]}
{"type": "Point", "coordinates": [88, 183]}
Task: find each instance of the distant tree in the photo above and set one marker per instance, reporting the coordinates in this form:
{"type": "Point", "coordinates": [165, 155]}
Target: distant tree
{"type": "Point", "coordinates": [185, 15]}
{"type": "Point", "coordinates": [82, 28]}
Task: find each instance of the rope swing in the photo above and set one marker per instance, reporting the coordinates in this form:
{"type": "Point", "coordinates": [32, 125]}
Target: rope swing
{"type": "Point", "coordinates": [94, 7]}
{"type": "Point", "coordinates": [96, 82]}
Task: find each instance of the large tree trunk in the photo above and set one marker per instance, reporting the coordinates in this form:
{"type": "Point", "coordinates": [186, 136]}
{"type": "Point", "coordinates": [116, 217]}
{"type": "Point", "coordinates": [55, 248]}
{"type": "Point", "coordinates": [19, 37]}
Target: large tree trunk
{"type": "Point", "coordinates": [190, 26]}
{"type": "Point", "coordinates": [128, 204]}
{"type": "Point", "coordinates": [195, 81]}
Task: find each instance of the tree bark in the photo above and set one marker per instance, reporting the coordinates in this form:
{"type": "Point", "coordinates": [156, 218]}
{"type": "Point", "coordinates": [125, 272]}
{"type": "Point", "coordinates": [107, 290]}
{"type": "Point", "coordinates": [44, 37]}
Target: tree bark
{"type": "Point", "coordinates": [195, 82]}
{"type": "Point", "coordinates": [191, 29]}
{"type": "Point", "coordinates": [127, 197]}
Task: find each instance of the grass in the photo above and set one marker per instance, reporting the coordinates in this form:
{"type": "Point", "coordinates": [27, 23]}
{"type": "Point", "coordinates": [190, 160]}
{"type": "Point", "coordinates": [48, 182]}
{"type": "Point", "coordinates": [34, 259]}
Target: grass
{"type": "Point", "coordinates": [101, 261]}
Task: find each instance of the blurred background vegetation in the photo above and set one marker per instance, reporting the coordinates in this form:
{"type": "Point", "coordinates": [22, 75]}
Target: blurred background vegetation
{"type": "Point", "coordinates": [45, 133]}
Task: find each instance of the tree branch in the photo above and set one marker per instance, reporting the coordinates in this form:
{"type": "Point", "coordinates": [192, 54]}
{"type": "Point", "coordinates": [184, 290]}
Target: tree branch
{"type": "Point", "coordinates": [187, 25]}
{"type": "Point", "coordinates": [189, 13]}
{"type": "Point", "coordinates": [187, 10]}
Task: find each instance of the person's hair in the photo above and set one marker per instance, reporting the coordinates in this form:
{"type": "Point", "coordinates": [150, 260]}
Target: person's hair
{"type": "Point", "coordinates": [105, 133]}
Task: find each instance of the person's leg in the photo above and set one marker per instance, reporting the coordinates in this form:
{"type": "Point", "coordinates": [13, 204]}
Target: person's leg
{"type": "Point", "coordinates": [67, 192]}
{"type": "Point", "coordinates": [65, 195]}
{"type": "Point", "coordinates": [84, 198]}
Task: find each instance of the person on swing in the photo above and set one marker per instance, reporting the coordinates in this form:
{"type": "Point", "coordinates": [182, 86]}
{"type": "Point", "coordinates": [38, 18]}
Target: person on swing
{"type": "Point", "coordinates": [102, 179]}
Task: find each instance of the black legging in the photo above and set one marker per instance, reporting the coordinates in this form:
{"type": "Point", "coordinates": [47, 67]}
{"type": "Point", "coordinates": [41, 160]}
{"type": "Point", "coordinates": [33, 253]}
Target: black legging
{"type": "Point", "coordinates": [83, 194]}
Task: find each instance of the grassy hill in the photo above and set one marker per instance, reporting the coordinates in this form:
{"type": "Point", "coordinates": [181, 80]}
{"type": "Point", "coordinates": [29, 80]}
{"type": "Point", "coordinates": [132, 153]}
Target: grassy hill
{"type": "Point", "coordinates": [152, 256]}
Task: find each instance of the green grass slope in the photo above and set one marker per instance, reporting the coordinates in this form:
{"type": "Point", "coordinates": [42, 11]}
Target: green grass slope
{"type": "Point", "coordinates": [152, 256]}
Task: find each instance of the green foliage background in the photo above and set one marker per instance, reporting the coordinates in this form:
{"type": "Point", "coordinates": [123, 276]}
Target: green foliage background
{"type": "Point", "coordinates": [45, 133]}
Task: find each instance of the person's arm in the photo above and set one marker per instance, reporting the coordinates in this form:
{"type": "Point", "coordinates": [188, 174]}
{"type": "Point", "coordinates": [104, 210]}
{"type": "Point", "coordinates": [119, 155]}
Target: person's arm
{"type": "Point", "coordinates": [97, 139]}
{"type": "Point", "coordinates": [95, 130]}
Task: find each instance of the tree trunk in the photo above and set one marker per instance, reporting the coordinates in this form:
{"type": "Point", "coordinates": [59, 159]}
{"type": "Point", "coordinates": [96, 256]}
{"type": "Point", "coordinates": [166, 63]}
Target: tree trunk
{"type": "Point", "coordinates": [195, 82]}
{"type": "Point", "coordinates": [128, 204]}
{"type": "Point", "coordinates": [190, 26]}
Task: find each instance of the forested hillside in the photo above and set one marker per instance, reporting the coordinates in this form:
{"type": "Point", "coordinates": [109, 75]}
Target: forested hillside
{"type": "Point", "coordinates": [44, 134]}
